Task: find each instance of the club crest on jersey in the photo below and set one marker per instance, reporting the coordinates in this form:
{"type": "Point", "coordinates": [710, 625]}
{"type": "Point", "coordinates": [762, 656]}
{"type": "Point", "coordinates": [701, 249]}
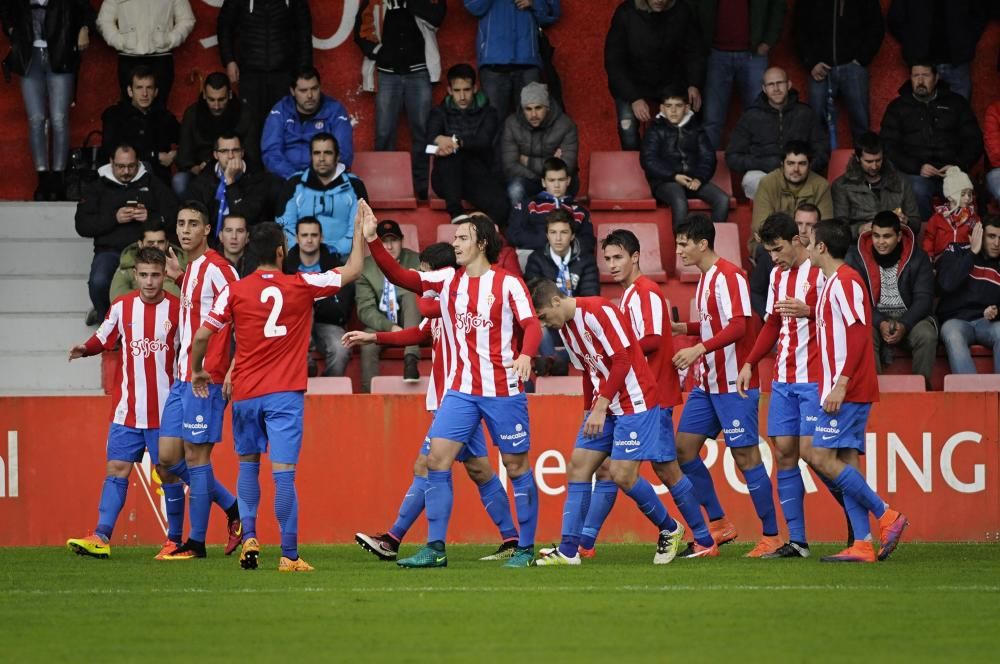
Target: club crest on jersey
{"type": "Point", "coordinates": [588, 337]}
{"type": "Point", "coordinates": [469, 320]}
{"type": "Point", "coordinates": [167, 326]}
{"type": "Point", "coordinates": [146, 347]}
{"type": "Point", "coordinates": [490, 300]}
{"type": "Point", "coordinates": [593, 361]}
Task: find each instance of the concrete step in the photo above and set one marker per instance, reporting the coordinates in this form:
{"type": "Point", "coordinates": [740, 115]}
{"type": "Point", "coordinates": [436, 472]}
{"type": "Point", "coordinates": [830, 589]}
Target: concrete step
{"type": "Point", "coordinates": [46, 257]}
{"type": "Point", "coordinates": [48, 372]}
{"type": "Point", "coordinates": [33, 221]}
{"type": "Point", "coordinates": [44, 295]}
{"type": "Point", "coordinates": [34, 332]}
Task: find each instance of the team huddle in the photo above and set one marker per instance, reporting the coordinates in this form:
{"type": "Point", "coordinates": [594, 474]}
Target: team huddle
{"type": "Point", "coordinates": [485, 326]}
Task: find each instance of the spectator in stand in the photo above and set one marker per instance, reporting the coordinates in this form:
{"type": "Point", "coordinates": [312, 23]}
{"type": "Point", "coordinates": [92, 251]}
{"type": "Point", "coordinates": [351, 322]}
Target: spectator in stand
{"type": "Point", "coordinates": [112, 212]}
{"type": "Point", "coordinates": [836, 42]}
{"type": "Point", "coordinates": [464, 128]}
{"type": "Point", "coordinates": [940, 32]}
{"type": "Point", "coordinates": [528, 228]}
{"type": "Point", "coordinates": [383, 307]}
{"type": "Point", "coordinates": [261, 44]}
{"type": "Point", "coordinates": [806, 216]}
{"type": "Point", "coordinates": [296, 118]}
{"type": "Point", "coordinates": [540, 131]}
{"type": "Point", "coordinates": [651, 44]}
{"type": "Point", "coordinates": [229, 186]}
{"type": "Point", "coordinates": [145, 33]}
{"type": "Point", "coordinates": [154, 234]}
{"type": "Point", "coordinates": [327, 192]}
{"type": "Point", "coordinates": [46, 40]}
{"type": "Point", "coordinates": [926, 129]}
{"type": "Point", "coordinates": [216, 112]}
{"type": "Point", "coordinates": [233, 240]}
{"type": "Point", "coordinates": [969, 281]}
{"type": "Point", "coordinates": [150, 129]}
{"type": "Point", "coordinates": [953, 222]}
{"type": "Point", "coordinates": [758, 140]}
{"type": "Point", "coordinates": [679, 161]}
{"type": "Point", "coordinates": [399, 43]}
{"type": "Point", "coordinates": [507, 46]}
{"type": "Point", "coordinates": [870, 185]}
{"type": "Point", "coordinates": [991, 135]}
{"type": "Point", "coordinates": [900, 285]}
{"type": "Point", "coordinates": [330, 315]}
{"type": "Point", "coordinates": [575, 274]}
{"type": "Point", "coordinates": [785, 189]}
{"type": "Point", "coordinates": [738, 36]}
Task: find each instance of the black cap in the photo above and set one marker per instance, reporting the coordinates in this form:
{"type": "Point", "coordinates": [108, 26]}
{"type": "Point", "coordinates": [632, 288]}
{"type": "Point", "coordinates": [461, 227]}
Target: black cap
{"type": "Point", "coordinates": [389, 228]}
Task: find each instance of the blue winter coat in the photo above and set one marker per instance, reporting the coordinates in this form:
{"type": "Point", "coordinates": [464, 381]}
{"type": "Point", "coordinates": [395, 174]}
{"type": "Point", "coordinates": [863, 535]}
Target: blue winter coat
{"type": "Point", "coordinates": [284, 144]}
{"type": "Point", "coordinates": [507, 35]}
{"type": "Point", "coordinates": [334, 205]}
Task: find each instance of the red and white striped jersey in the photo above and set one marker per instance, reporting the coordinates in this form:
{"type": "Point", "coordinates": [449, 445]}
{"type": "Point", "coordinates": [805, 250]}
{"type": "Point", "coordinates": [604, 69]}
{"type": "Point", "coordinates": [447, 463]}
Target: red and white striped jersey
{"type": "Point", "coordinates": [644, 306]}
{"type": "Point", "coordinates": [204, 279]}
{"type": "Point", "coordinates": [479, 320]}
{"type": "Point", "coordinates": [436, 383]}
{"type": "Point", "coordinates": [797, 359]}
{"type": "Point", "coordinates": [843, 302]}
{"type": "Point", "coordinates": [148, 334]}
{"type": "Point", "coordinates": [597, 331]}
{"type": "Point", "coordinates": [723, 294]}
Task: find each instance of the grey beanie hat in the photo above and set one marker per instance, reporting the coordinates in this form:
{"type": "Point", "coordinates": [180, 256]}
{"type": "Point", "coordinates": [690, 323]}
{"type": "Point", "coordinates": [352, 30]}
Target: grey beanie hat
{"type": "Point", "coordinates": [535, 93]}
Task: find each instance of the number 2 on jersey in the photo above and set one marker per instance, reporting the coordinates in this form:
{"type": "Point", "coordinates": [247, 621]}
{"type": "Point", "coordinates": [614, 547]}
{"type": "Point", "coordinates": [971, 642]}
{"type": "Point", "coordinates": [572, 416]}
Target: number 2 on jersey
{"type": "Point", "coordinates": [271, 327]}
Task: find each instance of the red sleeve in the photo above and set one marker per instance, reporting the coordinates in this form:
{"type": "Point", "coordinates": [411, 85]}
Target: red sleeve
{"type": "Point", "coordinates": [430, 307]}
{"type": "Point", "coordinates": [620, 365]}
{"type": "Point", "coordinates": [765, 340]}
{"type": "Point", "coordinates": [857, 336]}
{"type": "Point", "coordinates": [730, 334]}
{"type": "Point", "coordinates": [588, 391]}
{"type": "Point", "coordinates": [650, 343]}
{"type": "Point", "coordinates": [532, 330]}
{"type": "Point", "coordinates": [93, 345]}
{"type": "Point", "coordinates": [410, 336]}
{"type": "Point", "coordinates": [393, 271]}
{"type": "Point", "coordinates": [693, 329]}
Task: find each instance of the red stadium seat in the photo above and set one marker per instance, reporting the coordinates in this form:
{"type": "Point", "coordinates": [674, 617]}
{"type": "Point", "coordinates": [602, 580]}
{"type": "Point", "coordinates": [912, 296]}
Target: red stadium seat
{"type": "Point", "coordinates": [727, 245]}
{"type": "Point", "coordinates": [396, 385]}
{"type": "Point", "coordinates": [330, 385]}
{"type": "Point", "coordinates": [411, 237]}
{"type": "Point", "coordinates": [838, 163]}
{"type": "Point", "coordinates": [445, 233]}
{"type": "Point", "coordinates": [617, 182]}
{"type": "Point", "coordinates": [972, 383]}
{"type": "Point", "coordinates": [387, 178]}
{"type": "Point", "coordinates": [722, 179]}
{"type": "Point", "coordinates": [650, 261]}
{"type": "Point", "coordinates": [558, 385]}
{"type": "Point", "coordinates": [901, 383]}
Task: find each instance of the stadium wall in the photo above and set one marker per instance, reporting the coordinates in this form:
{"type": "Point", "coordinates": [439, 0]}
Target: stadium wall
{"type": "Point", "coordinates": [578, 38]}
{"type": "Point", "coordinates": [934, 455]}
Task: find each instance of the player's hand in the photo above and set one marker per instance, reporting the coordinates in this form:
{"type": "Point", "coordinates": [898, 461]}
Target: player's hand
{"type": "Point", "coordinates": [522, 367]}
{"type": "Point", "coordinates": [173, 268]}
{"type": "Point", "coordinates": [743, 380]}
{"type": "Point", "coordinates": [976, 239]}
{"type": "Point", "coordinates": [227, 385]}
{"type": "Point", "coordinates": [678, 328]}
{"type": "Point", "coordinates": [369, 223]}
{"type": "Point", "coordinates": [834, 400]}
{"type": "Point", "coordinates": [685, 357]}
{"type": "Point", "coordinates": [77, 351]}
{"type": "Point", "coordinates": [199, 383]}
{"type": "Point", "coordinates": [357, 338]}
{"type": "Point", "coordinates": [641, 110]}
{"type": "Point", "coordinates": [793, 308]}
{"type": "Point", "coordinates": [990, 313]}
{"type": "Point", "coordinates": [594, 424]}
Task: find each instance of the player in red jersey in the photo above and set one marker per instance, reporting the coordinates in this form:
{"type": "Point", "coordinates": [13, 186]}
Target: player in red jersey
{"type": "Point", "coordinates": [848, 387]}
{"type": "Point", "coordinates": [145, 322]}
{"type": "Point", "coordinates": [271, 315]}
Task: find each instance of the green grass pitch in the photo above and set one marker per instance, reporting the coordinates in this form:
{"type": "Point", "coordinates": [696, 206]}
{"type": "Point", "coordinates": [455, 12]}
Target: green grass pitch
{"type": "Point", "coordinates": [929, 602]}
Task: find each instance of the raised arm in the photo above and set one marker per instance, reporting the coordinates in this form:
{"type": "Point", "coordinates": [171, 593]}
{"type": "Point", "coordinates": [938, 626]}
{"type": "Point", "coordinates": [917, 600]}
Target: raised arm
{"type": "Point", "coordinates": [393, 271]}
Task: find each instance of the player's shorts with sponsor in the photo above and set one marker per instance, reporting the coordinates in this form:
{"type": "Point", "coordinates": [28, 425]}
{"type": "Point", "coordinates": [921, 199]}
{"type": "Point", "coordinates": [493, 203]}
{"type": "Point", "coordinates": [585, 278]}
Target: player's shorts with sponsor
{"type": "Point", "coordinates": [667, 443]}
{"type": "Point", "coordinates": [128, 443]}
{"type": "Point", "coordinates": [274, 418]}
{"type": "Point", "coordinates": [709, 414]}
{"type": "Point", "coordinates": [460, 415]}
{"type": "Point", "coordinates": [192, 418]}
{"type": "Point", "coordinates": [475, 447]}
{"type": "Point", "coordinates": [843, 429]}
{"type": "Point", "coordinates": [792, 409]}
{"type": "Point", "coordinates": [634, 437]}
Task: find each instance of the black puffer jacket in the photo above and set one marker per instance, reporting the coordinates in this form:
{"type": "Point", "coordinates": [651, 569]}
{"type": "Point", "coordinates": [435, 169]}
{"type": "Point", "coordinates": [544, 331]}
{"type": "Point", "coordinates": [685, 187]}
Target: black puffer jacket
{"type": "Point", "coordinates": [476, 127]}
{"type": "Point", "coordinates": [919, 30]}
{"type": "Point", "coordinates": [63, 20]}
{"type": "Point", "coordinates": [645, 51]}
{"type": "Point", "coordinates": [836, 32]}
{"type": "Point", "coordinates": [200, 129]}
{"type": "Point", "coordinates": [969, 283]}
{"type": "Point", "coordinates": [95, 214]}
{"type": "Point", "coordinates": [273, 35]}
{"type": "Point", "coordinates": [151, 132]}
{"type": "Point", "coordinates": [334, 310]}
{"type": "Point", "coordinates": [759, 137]}
{"type": "Point", "coordinates": [253, 196]}
{"type": "Point", "coordinates": [940, 132]}
{"type": "Point", "coordinates": [582, 267]}
{"type": "Point", "coordinates": [669, 150]}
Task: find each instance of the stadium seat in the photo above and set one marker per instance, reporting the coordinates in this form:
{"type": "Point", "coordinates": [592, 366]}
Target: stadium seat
{"type": "Point", "coordinates": [330, 385]}
{"type": "Point", "coordinates": [411, 237]}
{"type": "Point", "coordinates": [650, 261]}
{"type": "Point", "coordinates": [839, 159]}
{"type": "Point", "coordinates": [722, 179]}
{"type": "Point", "coordinates": [727, 245]}
{"type": "Point", "coordinates": [617, 182]}
{"type": "Point", "coordinates": [396, 385]}
{"type": "Point", "coordinates": [387, 178]}
{"type": "Point", "coordinates": [972, 383]}
{"type": "Point", "coordinates": [558, 385]}
{"type": "Point", "coordinates": [901, 383]}
{"type": "Point", "coordinates": [445, 233]}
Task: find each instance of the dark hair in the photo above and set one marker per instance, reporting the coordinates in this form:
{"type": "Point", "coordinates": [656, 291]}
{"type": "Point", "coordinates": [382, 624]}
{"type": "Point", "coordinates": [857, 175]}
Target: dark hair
{"type": "Point", "coordinates": [141, 71]}
{"type": "Point", "coordinates": [868, 142]}
{"type": "Point", "coordinates": [554, 164]}
{"type": "Point", "coordinates": [887, 219]}
{"type": "Point", "coordinates": [152, 225]}
{"type": "Point", "coordinates": [151, 256]}
{"type": "Point", "coordinates": [308, 220]}
{"type": "Point", "coordinates": [835, 234]}
{"type": "Point", "coordinates": [992, 220]}
{"type": "Point", "coordinates": [227, 136]}
{"type": "Point", "coordinates": [439, 255]}
{"type": "Point", "coordinates": [621, 237]}
{"type": "Point", "coordinates": [796, 147]}
{"type": "Point", "coordinates": [246, 222]}
{"type": "Point", "coordinates": [673, 91]}
{"type": "Point", "coordinates": [924, 62]}
{"type": "Point", "coordinates": [127, 147]}
{"type": "Point", "coordinates": [542, 291]}
{"type": "Point", "coordinates": [265, 239]}
{"type": "Point", "coordinates": [461, 70]}
{"type": "Point", "coordinates": [325, 136]}
{"type": "Point", "coordinates": [697, 227]}
{"type": "Point", "coordinates": [561, 216]}
{"type": "Point", "coordinates": [197, 206]}
{"type": "Point", "coordinates": [810, 208]}
{"type": "Point", "coordinates": [486, 235]}
{"type": "Point", "coordinates": [305, 73]}
{"type": "Point", "coordinates": [217, 80]}
{"type": "Point", "coordinates": [778, 226]}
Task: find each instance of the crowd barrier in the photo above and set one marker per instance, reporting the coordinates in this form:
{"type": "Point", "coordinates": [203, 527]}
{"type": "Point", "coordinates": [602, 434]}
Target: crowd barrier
{"type": "Point", "coordinates": [934, 456]}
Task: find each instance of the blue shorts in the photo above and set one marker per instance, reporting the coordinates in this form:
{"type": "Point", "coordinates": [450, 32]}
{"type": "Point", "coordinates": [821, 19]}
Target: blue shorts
{"type": "Point", "coordinates": [506, 418]}
{"type": "Point", "coordinates": [709, 414]}
{"type": "Point", "coordinates": [476, 447]}
{"type": "Point", "coordinates": [190, 418]}
{"type": "Point", "coordinates": [667, 444]}
{"type": "Point", "coordinates": [128, 443]}
{"type": "Point", "coordinates": [274, 418]}
{"type": "Point", "coordinates": [792, 410]}
{"type": "Point", "coordinates": [627, 437]}
{"type": "Point", "coordinates": [845, 429]}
